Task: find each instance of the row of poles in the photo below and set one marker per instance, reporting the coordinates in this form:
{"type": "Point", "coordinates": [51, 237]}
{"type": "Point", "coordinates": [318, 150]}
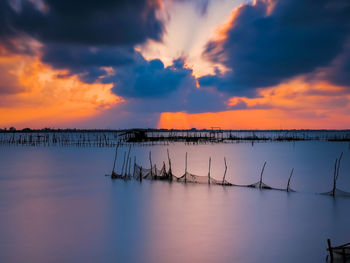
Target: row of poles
{"type": "Point", "coordinates": [126, 171]}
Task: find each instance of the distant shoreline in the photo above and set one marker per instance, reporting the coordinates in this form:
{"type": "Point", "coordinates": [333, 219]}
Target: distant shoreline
{"type": "Point", "coordinates": [112, 138]}
{"type": "Point", "coordinates": [28, 130]}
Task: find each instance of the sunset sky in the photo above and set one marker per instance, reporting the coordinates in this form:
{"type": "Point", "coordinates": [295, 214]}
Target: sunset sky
{"type": "Point", "coordinates": [265, 64]}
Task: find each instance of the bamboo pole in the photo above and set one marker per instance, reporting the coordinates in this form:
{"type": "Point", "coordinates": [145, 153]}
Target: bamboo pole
{"type": "Point", "coordinates": [115, 159]}
{"type": "Point", "coordinates": [127, 162]}
{"type": "Point", "coordinates": [123, 164]}
{"type": "Point", "coordinates": [330, 250]}
{"type": "Point", "coordinates": [338, 165]}
{"type": "Point", "coordinates": [209, 170]}
{"type": "Point", "coordinates": [170, 173]}
{"type": "Point", "coordinates": [261, 175]}
{"type": "Point", "coordinates": [290, 176]}
{"type": "Point", "coordinates": [336, 173]}
{"type": "Point", "coordinates": [134, 166]}
{"type": "Point", "coordinates": [186, 168]}
{"type": "Point", "coordinates": [335, 177]}
{"type": "Point", "coordinates": [150, 161]}
{"type": "Point", "coordinates": [141, 174]}
{"type": "Point", "coordinates": [223, 179]}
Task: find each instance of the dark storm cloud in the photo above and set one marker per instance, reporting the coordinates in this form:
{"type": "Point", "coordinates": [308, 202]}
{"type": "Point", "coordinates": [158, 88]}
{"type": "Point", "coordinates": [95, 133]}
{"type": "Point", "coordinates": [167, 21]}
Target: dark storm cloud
{"type": "Point", "coordinates": [149, 78]}
{"type": "Point", "coordinates": [264, 49]}
{"type": "Point", "coordinates": [78, 22]}
{"type": "Point", "coordinates": [93, 22]}
{"type": "Point", "coordinates": [339, 71]}
{"type": "Point", "coordinates": [10, 40]}
{"type": "Point", "coordinates": [171, 89]}
{"type": "Point", "coordinates": [88, 62]}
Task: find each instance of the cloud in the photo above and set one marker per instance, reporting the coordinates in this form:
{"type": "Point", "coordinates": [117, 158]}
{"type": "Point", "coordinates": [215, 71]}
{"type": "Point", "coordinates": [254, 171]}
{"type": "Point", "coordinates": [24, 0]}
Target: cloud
{"type": "Point", "coordinates": [149, 78]}
{"type": "Point", "coordinates": [268, 42]}
{"type": "Point", "coordinates": [97, 22]}
{"type": "Point", "coordinates": [201, 5]}
{"type": "Point", "coordinates": [9, 82]}
{"type": "Point", "coordinates": [84, 38]}
{"type": "Point", "coordinates": [339, 70]}
{"type": "Point", "coordinates": [89, 63]}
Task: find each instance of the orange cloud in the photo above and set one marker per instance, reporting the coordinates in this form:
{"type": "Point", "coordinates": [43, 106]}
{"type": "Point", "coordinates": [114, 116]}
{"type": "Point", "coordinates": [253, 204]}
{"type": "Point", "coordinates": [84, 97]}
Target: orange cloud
{"type": "Point", "coordinates": [45, 99]}
{"type": "Point", "coordinates": [293, 105]}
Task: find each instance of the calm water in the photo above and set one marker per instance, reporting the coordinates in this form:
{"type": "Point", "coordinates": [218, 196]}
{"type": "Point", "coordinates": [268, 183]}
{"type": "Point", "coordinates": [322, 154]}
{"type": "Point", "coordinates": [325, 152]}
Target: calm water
{"type": "Point", "coordinates": [56, 205]}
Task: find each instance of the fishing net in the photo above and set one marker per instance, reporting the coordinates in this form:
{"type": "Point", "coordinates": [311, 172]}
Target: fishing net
{"type": "Point", "coordinates": [337, 192]}
{"type": "Point", "coordinates": [200, 179]}
{"type": "Point", "coordinates": [151, 174]}
{"type": "Point", "coordinates": [116, 175]}
{"type": "Point", "coordinates": [259, 185]}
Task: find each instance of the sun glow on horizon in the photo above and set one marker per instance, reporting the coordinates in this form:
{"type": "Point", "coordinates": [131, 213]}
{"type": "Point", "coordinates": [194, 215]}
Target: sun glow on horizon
{"type": "Point", "coordinates": [47, 98]}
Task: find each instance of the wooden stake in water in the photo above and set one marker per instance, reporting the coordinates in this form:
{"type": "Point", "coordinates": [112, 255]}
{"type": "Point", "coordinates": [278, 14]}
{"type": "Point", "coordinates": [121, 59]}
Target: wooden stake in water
{"type": "Point", "coordinates": [261, 175]}
{"type": "Point", "coordinates": [336, 173]}
{"type": "Point", "coordinates": [290, 176]}
{"type": "Point", "coordinates": [186, 167]}
{"type": "Point", "coordinates": [115, 159]}
{"type": "Point", "coordinates": [169, 172]}
{"type": "Point", "coordinates": [134, 166]}
{"type": "Point", "coordinates": [123, 164]}
{"type": "Point", "coordinates": [209, 170]}
{"type": "Point", "coordinates": [150, 161]}
{"type": "Point", "coordinates": [223, 179]}
{"type": "Point", "coordinates": [141, 174]}
{"type": "Point", "coordinates": [127, 162]}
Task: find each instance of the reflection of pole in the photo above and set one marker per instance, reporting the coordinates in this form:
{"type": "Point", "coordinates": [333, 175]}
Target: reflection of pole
{"type": "Point", "coordinates": [115, 158]}
{"type": "Point", "coordinates": [209, 170]}
{"type": "Point", "coordinates": [261, 175]}
{"type": "Point", "coordinates": [223, 179]}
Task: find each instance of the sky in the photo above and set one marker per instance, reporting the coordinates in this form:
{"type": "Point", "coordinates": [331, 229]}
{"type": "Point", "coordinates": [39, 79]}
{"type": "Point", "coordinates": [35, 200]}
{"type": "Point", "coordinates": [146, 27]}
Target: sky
{"type": "Point", "coordinates": [234, 64]}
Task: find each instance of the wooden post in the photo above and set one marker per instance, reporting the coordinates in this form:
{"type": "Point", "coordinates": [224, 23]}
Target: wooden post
{"type": "Point", "coordinates": [163, 170]}
{"type": "Point", "coordinates": [335, 177]}
{"type": "Point", "coordinates": [127, 162]}
{"type": "Point", "coordinates": [155, 172]}
{"type": "Point", "coordinates": [261, 175]}
{"type": "Point", "coordinates": [134, 166]}
{"type": "Point", "coordinates": [186, 168]}
{"type": "Point", "coordinates": [336, 173]}
{"type": "Point", "coordinates": [338, 165]}
{"type": "Point", "coordinates": [223, 179]}
{"type": "Point", "coordinates": [141, 174]}
{"type": "Point", "coordinates": [169, 172]}
{"type": "Point", "coordinates": [330, 249]}
{"type": "Point", "coordinates": [209, 170]}
{"type": "Point", "coordinates": [150, 161]}
{"type": "Point", "coordinates": [115, 159]}
{"type": "Point", "coordinates": [290, 176]}
{"type": "Point", "coordinates": [123, 164]}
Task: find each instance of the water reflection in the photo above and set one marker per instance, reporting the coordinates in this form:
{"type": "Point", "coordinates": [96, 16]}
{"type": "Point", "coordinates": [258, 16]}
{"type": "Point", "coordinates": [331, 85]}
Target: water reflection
{"type": "Point", "coordinates": [56, 205]}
